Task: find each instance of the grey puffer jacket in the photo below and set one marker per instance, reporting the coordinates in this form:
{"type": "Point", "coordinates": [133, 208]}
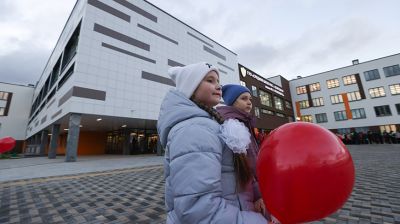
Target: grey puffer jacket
{"type": "Point", "coordinates": [200, 185]}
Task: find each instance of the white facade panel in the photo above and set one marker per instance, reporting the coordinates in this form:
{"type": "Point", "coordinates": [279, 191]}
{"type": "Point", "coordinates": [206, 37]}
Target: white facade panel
{"type": "Point", "coordinates": [15, 122]}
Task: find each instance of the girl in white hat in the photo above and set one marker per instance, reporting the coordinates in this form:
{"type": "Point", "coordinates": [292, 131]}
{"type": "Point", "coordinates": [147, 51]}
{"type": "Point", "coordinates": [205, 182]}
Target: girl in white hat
{"type": "Point", "coordinates": [200, 179]}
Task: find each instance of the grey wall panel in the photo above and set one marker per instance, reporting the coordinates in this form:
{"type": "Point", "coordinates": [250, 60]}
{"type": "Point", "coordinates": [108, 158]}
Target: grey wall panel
{"type": "Point", "coordinates": [56, 114]}
{"type": "Point", "coordinates": [89, 93]}
{"type": "Point", "coordinates": [174, 63]}
{"type": "Point", "coordinates": [66, 96]}
{"type": "Point", "coordinates": [223, 65]}
{"type": "Point", "coordinates": [121, 37]}
{"type": "Point", "coordinates": [109, 9]}
{"type": "Point", "coordinates": [43, 120]}
{"type": "Point", "coordinates": [109, 46]}
{"type": "Point", "coordinates": [194, 36]}
{"type": "Point", "coordinates": [137, 10]}
{"type": "Point", "coordinates": [222, 71]}
{"type": "Point", "coordinates": [211, 51]}
{"type": "Point", "coordinates": [158, 34]}
{"type": "Point", "coordinates": [157, 78]}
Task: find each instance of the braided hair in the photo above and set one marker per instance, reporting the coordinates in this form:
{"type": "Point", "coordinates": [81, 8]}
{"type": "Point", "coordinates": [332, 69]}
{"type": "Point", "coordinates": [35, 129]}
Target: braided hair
{"type": "Point", "coordinates": [241, 166]}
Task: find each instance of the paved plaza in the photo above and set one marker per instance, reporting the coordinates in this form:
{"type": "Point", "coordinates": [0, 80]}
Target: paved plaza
{"type": "Point", "coordinates": [135, 194]}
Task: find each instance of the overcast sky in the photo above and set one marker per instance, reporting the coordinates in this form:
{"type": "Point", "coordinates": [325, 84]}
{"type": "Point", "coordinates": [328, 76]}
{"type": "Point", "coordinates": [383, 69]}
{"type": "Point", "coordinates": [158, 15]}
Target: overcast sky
{"type": "Point", "coordinates": [271, 37]}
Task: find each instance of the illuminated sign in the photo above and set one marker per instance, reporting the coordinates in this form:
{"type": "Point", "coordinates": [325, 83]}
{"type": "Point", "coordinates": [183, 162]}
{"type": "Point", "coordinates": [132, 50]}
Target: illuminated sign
{"type": "Point", "coordinates": [268, 85]}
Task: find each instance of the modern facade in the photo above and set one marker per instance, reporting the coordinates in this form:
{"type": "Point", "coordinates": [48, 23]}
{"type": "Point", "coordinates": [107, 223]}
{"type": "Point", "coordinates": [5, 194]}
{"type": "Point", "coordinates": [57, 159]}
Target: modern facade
{"type": "Point", "coordinates": [101, 89]}
{"type": "Point", "coordinates": [361, 97]}
{"type": "Point", "coordinates": [15, 102]}
{"type": "Point", "coordinates": [272, 103]}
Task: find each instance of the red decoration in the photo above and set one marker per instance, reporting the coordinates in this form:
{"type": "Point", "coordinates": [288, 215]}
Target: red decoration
{"type": "Point", "coordinates": [6, 144]}
{"type": "Point", "coordinates": [305, 172]}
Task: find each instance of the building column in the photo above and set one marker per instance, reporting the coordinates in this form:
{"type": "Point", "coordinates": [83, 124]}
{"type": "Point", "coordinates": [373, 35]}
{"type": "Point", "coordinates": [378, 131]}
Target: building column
{"type": "Point", "coordinates": [55, 132]}
{"type": "Point", "coordinates": [159, 147]}
{"type": "Point", "coordinates": [125, 145]}
{"type": "Point", "coordinates": [73, 137]}
{"type": "Point", "coordinates": [43, 142]}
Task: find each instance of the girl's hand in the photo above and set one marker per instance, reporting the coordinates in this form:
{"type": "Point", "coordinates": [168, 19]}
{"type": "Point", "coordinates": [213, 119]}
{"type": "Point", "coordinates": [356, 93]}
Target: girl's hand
{"type": "Point", "coordinates": [259, 206]}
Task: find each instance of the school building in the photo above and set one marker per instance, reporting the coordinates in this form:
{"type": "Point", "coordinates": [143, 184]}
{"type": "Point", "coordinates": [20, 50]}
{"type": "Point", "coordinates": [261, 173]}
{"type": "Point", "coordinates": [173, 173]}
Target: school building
{"type": "Point", "coordinates": [360, 97]}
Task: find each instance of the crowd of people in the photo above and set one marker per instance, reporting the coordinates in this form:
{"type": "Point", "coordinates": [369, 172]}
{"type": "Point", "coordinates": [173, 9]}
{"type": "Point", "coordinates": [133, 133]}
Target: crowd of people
{"type": "Point", "coordinates": [371, 137]}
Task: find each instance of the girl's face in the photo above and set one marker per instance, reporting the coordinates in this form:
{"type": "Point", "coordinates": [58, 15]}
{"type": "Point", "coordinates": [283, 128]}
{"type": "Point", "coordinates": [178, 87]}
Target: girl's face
{"type": "Point", "coordinates": [243, 102]}
{"type": "Point", "coordinates": [209, 90]}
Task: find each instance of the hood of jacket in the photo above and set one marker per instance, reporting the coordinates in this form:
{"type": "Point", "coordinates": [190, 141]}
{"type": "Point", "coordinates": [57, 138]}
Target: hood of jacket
{"type": "Point", "coordinates": [175, 108]}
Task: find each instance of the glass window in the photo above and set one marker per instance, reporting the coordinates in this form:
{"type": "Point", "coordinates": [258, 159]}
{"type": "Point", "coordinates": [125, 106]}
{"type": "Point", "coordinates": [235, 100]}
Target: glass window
{"type": "Point", "coordinates": [3, 95]}
{"type": "Point", "coordinates": [306, 118]}
{"type": "Point", "coordinates": [395, 89]}
{"type": "Point", "coordinates": [398, 108]}
{"type": "Point", "coordinates": [340, 115]}
{"type": "Point", "coordinates": [335, 99]}
{"type": "Point", "coordinates": [377, 92]}
{"type": "Point", "coordinates": [318, 102]}
{"type": "Point", "coordinates": [388, 128]}
{"type": "Point", "coordinates": [344, 130]}
{"type": "Point", "coordinates": [2, 111]}
{"type": "Point", "coordinates": [372, 75]}
{"type": "Point", "coordinates": [254, 91]}
{"type": "Point", "coordinates": [321, 118]}
{"type": "Point", "coordinates": [288, 105]}
{"type": "Point", "coordinates": [270, 112]}
{"type": "Point", "coordinates": [301, 90]}
{"type": "Point", "coordinates": [304, 104]}
{"type": "Point", "coordinates": [278, 103]}
{"type": "Point", "coordinates": [280, 115]}
{"type": "Point", "coordinates": [243, 83]}
{"type": "Point", "coordinates": [358, 113]}
{"type": "Point", "coordinates": [332, 83]}
{"type": "Point", "coordinates": [354, 96]}
{"type": "Point", "coordinates": [315, 87]}
{"type": "Point", "coordinates": [391, 70]}
{"type": "Point", "coordinates": [349, 79]}
{"type": "Point", "coordinates": [257, 112]}
{"type": "Point", "coordinates": [265, 98]}
{"type": "Point", "coordinates": [382, 111]}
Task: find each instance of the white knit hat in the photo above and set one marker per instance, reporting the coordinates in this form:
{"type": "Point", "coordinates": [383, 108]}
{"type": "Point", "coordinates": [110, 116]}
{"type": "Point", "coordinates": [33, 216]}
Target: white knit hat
{"type": "Point", "coordinates": [187, 78]}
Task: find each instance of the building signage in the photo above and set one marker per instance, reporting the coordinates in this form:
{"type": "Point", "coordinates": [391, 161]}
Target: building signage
{"type": "Point", "coordinates": [268, 85]}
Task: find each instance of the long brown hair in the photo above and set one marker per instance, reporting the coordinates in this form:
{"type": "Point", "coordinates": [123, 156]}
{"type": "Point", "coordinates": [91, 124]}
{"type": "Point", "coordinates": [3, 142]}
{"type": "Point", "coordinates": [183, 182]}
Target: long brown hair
{"type": "Point", "coordinates": [241, 166]}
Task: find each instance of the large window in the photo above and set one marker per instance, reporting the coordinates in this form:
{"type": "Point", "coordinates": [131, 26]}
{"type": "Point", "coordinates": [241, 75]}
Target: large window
{"type": "Point", "coordinates": [301, 90]}
{"type": "Point", "coordinates": [391, 70]}
{"type": "Point", "coordinates": [340, 115]}
{"type": "Point", "coordinates": [265, 98]}
{"type": "Point", "coordinates": [398, 108]}
{"type": "Point", "coordinates": [70, 48]}
{"type": "Point", "coordinates": [304, 104]}
{"type": "Point", "coordinates": [3, 95]}
{"type": "Point", "coordinates": [395, 89]}
{"type": "Point", "coordinates": [335, 99]}
{"type": "Point", "coordinates": [382, 111]}
{"type": "Point", "coordinates": [372, 75]}
{"type": "Point", "coordinates": [321, 118]}
{"type": "Point", "coordinates": [278, 103]}
{"type": "Point", "coordinates": [306, 118]}
{"type": "Point", "coordinates": [288, 104]}
{"type": "Point", "coordinates": [354, 96]}
{"type": "Point", "coordinates": [270, 112]}
{"type": "Point", "coordinates": [332, 83]}
{"type": "Point", "coordinates": [358, 113]}
{"type": "Point", "coordinates": [254, 91]}
{"type": "Point", "coordinates": [318, 102]}
{"type": "Point", "coordinates": [315, 87]}
{"type": "Point", "coordinates": [2, 111]}
{"type": "Point", "coordinates": [349, 79]}
{"type": "Point", "coordinates": [66, 76]}
{"type": "Point", "coordinates": [388, 128]}
{"type": "Point", "coordinates": [377, 92]}
{"type": "Point", "coordinates": [257, 112]}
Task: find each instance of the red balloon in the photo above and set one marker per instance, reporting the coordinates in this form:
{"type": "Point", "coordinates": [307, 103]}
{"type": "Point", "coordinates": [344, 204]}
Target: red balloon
{"type": "Point", "coordinates": [305, 172]}
{"type": "Point", "coordinates": [6, 144]}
